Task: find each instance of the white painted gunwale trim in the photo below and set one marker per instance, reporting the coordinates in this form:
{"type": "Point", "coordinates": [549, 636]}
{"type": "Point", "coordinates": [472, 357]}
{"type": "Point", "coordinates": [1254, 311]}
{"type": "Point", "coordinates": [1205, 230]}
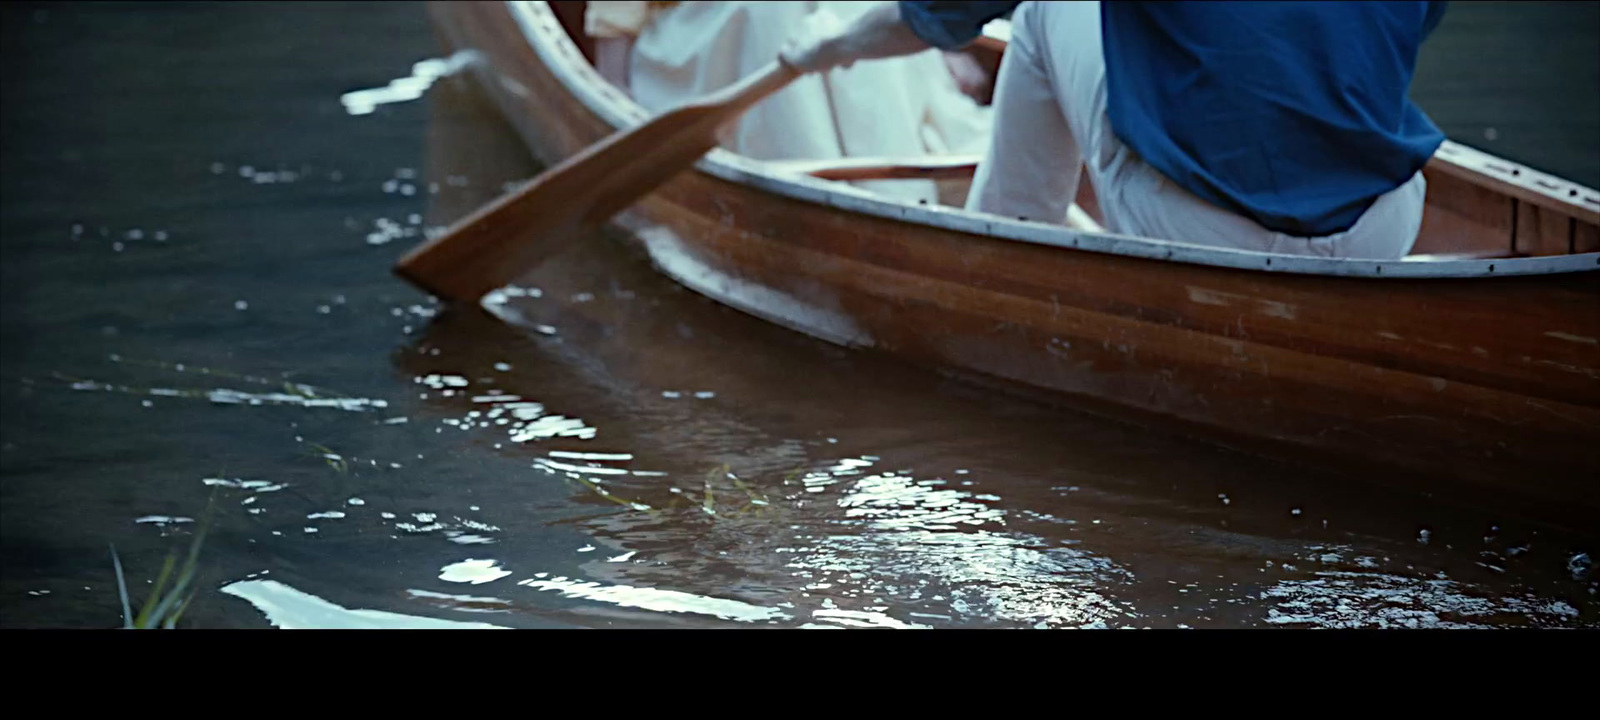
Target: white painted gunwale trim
{"type": "Point", "coordinates": [560, 54]}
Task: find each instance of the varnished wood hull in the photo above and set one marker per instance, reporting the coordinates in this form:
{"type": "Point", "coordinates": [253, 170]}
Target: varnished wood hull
{"type": "Point", "coordinates": [1474, 379]}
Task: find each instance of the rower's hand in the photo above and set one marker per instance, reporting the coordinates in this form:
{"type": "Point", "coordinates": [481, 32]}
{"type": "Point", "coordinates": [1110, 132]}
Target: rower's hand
{"type": "Point", "coordinates": [817, 45]}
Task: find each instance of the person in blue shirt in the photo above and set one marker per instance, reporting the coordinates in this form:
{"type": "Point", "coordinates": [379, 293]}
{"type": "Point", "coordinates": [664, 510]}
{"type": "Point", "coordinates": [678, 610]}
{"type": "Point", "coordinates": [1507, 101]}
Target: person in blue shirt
{"type": "Point", "coordinates": [1280, 127]}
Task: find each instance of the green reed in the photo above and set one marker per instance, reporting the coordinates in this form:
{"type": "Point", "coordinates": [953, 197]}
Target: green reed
{"type": "Point", "coordinates": [165, 605]}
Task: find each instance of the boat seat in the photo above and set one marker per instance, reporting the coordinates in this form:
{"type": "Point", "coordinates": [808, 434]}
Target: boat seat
{"type": "Point", "coordinates": [952, 167]}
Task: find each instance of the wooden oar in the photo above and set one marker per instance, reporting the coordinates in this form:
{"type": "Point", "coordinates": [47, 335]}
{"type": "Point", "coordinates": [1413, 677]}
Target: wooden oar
{"type": "Point", "coordinates": [511, 235]}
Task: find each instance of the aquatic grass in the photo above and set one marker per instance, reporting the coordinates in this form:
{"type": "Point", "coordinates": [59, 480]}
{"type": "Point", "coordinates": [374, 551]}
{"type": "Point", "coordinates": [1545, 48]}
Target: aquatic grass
{"type": "Point", "coordinates": [165, 606]}
{"type": "Point", "coordinates": [292, 388]}
{"type": "Point", "coordinates": [602, 492]}
{"type": "Point", "coordinates": [757, 503]}
{"type": "Point", "coordinates": [301, 395]}
{"type": "Point", "coordinates": [305, 391]}
{"type": "Point", "coordinates": [122, 589]}
{"type": "Point", "coordinates": [334, 460]}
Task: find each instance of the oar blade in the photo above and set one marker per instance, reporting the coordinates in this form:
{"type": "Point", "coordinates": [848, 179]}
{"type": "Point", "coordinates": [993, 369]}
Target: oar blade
{"type": "Point", "coordinates": [490, 247]}
{"type": "Point", "coordinates": [506, 238]}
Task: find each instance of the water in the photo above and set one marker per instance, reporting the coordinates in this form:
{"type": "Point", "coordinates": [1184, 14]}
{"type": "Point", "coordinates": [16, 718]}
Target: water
{"type": "Point", "coordinates": [197, 304]}
{"type": "Point", "coordinates": [1518, 80]}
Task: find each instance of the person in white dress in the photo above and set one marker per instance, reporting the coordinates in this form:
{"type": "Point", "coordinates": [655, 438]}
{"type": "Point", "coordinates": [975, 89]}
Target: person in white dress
{"type": "Point", "coordinates": [667, 53]}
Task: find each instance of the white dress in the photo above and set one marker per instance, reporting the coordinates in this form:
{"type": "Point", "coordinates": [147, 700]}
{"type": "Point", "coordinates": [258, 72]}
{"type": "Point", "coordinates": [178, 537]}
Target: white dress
{"type": "Point", "coordinates": [899, 107]}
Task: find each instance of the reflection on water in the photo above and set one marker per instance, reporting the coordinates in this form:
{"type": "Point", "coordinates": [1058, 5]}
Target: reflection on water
{"type": "Point", "coordinates": [411, 87]}
{"type": "Point", "coordinates": [475, 572]}
{"type": "Point", "coordinates": [291, 609]}
{"type": "Point", "coordinates": [1374, 600]}
{"type": "Point", "coordinates": [596, 446]}
{"type": "Point", "coordinates": [653, 600]}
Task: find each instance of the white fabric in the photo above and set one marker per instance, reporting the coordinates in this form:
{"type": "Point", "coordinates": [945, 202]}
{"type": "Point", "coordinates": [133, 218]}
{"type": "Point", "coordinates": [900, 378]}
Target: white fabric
{"type": "Point", "coordinates": [901, 107]}
{"type": "Point", "coordinates": [1050, 121]}
{"type": "Point", "coordinates": [618, 18]}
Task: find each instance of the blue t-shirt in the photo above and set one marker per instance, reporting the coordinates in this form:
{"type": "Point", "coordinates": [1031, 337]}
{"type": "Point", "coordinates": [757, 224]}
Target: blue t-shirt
{"type": "Point", "coordinates": [1294, 114]}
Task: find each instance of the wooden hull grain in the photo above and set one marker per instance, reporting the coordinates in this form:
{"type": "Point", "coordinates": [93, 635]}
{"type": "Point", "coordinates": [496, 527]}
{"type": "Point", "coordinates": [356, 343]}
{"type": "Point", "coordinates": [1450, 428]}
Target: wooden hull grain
{"type": "Point", "coordinates": [1470, 375]}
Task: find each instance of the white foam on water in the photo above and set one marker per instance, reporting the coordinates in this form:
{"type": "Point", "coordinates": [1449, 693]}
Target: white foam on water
{"type": "Point", "coordinates": [476, 572]}
{"type": "Point", "coordinates": [669, 601]}
{"type": "Point", "coordinates": [864, 619]}
{"type": "Point", "coordinates": [291, 609]}
{"type": "Point", "coordinates": [411, 87]}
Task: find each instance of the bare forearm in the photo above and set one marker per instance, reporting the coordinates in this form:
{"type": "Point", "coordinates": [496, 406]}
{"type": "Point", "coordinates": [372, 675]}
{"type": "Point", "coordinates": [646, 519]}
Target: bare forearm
{"type": "Point", "coordinates": [877, 34]}
{"type": "Point", "coordinates": [881, 33]}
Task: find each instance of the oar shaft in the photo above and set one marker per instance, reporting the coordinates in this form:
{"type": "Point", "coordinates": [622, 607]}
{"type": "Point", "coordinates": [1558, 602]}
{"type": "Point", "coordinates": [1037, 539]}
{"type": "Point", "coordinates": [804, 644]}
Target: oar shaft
{"type": "Point", "coordinates": [737, 97]}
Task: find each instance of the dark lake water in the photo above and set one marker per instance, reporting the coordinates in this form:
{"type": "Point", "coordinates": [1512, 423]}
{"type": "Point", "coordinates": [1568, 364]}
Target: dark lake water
{"type": "Point", "coordinates": [195, 247]}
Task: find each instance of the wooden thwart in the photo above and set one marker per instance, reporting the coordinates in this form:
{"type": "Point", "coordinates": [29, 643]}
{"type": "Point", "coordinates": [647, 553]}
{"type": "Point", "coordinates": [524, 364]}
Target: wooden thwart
{"type": "Point", "coordinates": [950, 167]}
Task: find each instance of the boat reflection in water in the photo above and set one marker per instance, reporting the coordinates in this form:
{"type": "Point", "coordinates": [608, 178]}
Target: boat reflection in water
{"type": "Point", "coordinates": [731, 473]}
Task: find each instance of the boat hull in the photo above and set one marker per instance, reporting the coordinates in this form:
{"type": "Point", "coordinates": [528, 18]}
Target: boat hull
{"type": "Point", "coordinates": [1488, 381]}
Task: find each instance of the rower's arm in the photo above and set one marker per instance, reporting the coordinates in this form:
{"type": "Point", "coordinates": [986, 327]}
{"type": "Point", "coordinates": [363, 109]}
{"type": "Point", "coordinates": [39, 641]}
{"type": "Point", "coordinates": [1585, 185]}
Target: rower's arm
{"type": "Point", "coordinates": [878, 33]}
{"type": "Point", "coordinates": [951, 25]}
{"type": "Point", "coordinates": [896, 29]}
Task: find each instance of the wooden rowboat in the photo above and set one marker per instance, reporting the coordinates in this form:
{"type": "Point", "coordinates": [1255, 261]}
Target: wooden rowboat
{"type": "Point", "coordinates": [1476, 361]}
